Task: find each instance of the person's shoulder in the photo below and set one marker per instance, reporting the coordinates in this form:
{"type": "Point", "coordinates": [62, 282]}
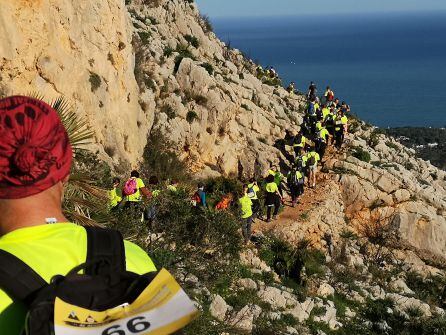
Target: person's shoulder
{"type": "Point", "coordinates": [140, 182]}
{"type": "Point", "coordinates": [137, 260]}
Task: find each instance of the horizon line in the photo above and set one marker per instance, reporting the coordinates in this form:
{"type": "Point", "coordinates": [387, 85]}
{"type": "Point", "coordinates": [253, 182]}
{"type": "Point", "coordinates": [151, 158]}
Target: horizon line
{"type": "Point", "coordinates": [312, 14]}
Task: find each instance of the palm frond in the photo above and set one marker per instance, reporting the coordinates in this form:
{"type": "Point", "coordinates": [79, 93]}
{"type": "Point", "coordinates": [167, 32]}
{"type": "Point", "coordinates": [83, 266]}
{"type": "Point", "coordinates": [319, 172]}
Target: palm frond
{"type": "Point", "coordinates": [83, 184]}
{"type": "Point", "coordinates": [82, 220]}
{"type": "Point", "coordinates": [78, 129]}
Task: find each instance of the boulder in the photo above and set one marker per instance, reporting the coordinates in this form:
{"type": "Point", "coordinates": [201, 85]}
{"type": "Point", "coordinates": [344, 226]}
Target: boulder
{"type": "Point", "coordinates": [325, 290]}
{"type": "Point", "coordinates": [247, 283]}
{"type": "Point", "coordinates": [218, 308]}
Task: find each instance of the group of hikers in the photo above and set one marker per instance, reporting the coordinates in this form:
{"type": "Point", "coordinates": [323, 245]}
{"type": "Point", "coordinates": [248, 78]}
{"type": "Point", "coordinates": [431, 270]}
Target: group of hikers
{"type": "Point", "coordinates": [42, 254]}
{"type": "Point", "coordinates": [324, 123]}
{"type": "Point", "coordinates": [268, 75]}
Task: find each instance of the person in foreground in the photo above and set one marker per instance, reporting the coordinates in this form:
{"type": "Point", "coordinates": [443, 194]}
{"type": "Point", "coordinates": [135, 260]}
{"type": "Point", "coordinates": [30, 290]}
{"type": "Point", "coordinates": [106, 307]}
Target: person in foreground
{"type": "Point", "coordinates": [35, 161]}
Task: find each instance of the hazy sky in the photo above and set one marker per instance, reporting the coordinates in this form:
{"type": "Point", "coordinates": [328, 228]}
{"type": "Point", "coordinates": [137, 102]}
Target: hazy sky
{"type": "Point", "coordinates": [234, 8]}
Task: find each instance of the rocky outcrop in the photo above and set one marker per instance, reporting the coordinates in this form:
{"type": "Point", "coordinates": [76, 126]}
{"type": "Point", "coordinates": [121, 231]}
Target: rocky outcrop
{"type": "Point", "coordinates": [82, 50]}
{"type": "Point", "coordinates": [132, 69]}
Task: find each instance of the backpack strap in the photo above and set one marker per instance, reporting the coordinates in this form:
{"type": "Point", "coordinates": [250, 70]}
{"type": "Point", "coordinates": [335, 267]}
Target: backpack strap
{"type": "Point", "coordinates": [104, 244]}
{"type": "Point", "coordinates": [17, 278]}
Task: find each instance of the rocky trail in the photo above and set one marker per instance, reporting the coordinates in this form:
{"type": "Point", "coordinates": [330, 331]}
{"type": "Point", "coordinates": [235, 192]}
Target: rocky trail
{"type": "Point", "coordinates": [310, 201]}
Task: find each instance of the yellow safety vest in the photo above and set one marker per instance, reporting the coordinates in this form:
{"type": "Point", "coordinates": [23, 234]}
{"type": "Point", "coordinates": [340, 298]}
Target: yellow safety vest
{"type": "Point", "coordinates": [54, 249]}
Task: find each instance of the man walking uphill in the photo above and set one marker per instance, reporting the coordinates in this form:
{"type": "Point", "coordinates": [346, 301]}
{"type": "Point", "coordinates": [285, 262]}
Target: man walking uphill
{"type": "Point", "coordinates": [35, 161]}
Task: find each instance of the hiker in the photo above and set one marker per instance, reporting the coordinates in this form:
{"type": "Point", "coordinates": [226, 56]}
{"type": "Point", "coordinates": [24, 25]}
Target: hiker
{"type": "Point", "coordinates": [115, 194]}
{"type": "Point", "coordinates": [329, 121]}
{"type": "Point", "coordinates": [291, 88]}
{"type": "Point", "coordinates": [321, 141]}
{"type": "Point", "coordinates": [299, 143]}
{"type": "Point", "coordinates": [150, 212]}
{"type": "Point", "coordinates": [253, 194]}
{"type": "Point", "coordinates": [336, 103]}
{"type": "Point", "coordinates": [295, 180]}
{"type": "Point", "coordinates": [312, 115]}
{"type": "Point", "coordinates": [278, 178]}
{"type": "Point", "coordinates": [305, 128]}
{"type": "Point", "coordinates": [325, 112]}
{"type": "Point", "coordinates": [225, 202]}
{"type": "Point", "coordinates": [300, 161]}
{"type": "Point", "coordinates": [312, 91]}
{"type": "Point", "coordinates": [199, 197]}
{"type": "Point", "coordinates": [341, 128]}
{"type": "Point", "coordinates": [272, 73]}
{"type": "Point", "coordinates": [134, 189]}
{"type": "Point", "coordinates": [312, 160]}
{"type": "Point", "coordinates": [246, 213]}
{"type": "Point", "coordinates": [37, 241]}
{"type": "Point", "coordinates": [272, 198]}
{"type": "Point", "coordinates": [173, 186]}
{"type": "Point", "coordinates": [329, 94]}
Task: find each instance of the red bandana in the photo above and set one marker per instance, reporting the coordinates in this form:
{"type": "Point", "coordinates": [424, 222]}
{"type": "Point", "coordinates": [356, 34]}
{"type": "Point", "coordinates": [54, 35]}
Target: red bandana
{"type": "Point", "coordinates": [35, 153]}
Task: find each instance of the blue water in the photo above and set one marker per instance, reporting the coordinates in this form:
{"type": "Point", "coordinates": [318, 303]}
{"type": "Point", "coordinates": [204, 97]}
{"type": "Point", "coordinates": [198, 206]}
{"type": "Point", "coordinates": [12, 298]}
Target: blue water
{"type": "Point", "coordinates": [390, 68]}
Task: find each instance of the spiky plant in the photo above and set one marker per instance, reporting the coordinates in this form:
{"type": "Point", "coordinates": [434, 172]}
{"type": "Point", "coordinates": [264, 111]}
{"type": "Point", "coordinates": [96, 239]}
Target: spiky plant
{"type": "Point", "coordinates": [85, 203]}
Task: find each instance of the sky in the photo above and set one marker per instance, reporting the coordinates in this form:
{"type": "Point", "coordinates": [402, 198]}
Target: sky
{"type": "Point", "coordinates": [248, 8]}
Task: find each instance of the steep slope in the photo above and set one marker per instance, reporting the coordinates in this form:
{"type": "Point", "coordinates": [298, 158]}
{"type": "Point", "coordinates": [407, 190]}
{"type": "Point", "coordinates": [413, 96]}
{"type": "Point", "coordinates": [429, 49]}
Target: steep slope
{"type": "Point", "coordinates": [209, 103]}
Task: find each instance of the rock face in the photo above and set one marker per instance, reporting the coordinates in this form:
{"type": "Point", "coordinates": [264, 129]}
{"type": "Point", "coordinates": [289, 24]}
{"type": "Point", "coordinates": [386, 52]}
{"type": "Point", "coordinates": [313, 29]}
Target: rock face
{"type": "Point", "coordinates": [133, 69]}
{"type": "Point", "coordinates": [82, 50]}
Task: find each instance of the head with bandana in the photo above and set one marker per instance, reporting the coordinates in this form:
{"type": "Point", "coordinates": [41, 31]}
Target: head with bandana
{"type": "Point", "coordinates": [35, 152]}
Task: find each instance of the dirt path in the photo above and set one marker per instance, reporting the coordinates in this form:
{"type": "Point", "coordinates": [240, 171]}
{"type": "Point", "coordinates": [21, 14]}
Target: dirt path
{"type": "Point", "coordinates": [307, 202]}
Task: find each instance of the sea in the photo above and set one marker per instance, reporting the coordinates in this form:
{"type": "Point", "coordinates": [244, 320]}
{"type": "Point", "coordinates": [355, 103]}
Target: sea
{"type": "Point", "coordinates": [389, 67]}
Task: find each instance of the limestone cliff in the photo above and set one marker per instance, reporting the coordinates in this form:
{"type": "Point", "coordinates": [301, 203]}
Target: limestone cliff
{"type": "Point", "coordinates": [82, 50]}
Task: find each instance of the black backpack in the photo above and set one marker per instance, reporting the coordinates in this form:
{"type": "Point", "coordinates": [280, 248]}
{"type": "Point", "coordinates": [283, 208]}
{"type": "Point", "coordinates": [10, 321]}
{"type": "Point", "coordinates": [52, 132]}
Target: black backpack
{"type": "Point", "coordinates": [293, 181]}
{"type": "Point", "coordinates": [105, 283]}
{"type": "Point", "coordinates": [299, 162]}
{"type": "Point", "coordinates": [298, 139]}
{"type": "Point", "coordinates": [311, 161]}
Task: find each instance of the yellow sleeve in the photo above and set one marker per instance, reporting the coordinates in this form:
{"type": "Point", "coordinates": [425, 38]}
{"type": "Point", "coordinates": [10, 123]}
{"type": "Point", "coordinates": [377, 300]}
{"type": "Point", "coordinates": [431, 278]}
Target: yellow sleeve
{"type": "Point", "coordinates": [137, 259]}
{"type": "Point", "coordinates": [140, 183]}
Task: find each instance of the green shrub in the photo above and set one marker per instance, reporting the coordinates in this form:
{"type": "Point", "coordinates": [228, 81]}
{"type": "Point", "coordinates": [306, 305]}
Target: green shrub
{"type": "Point", "coordinates": [245, 106]}
{"type": "Point", "coordinates": [161, 160]}
{"type": "Point", "coordinates": [144, 36]}
{"type": "Point", "coordinates": [428, 289]}
{"type": "Point", "coordinates": [289, 261]}
{"type": "Point", "coordinates": [168, 51]}
{"type": "Point", "coordinates": [392, 145]}
{"type": "Point", "coordinates": [191, 116]}
{"type": "Point", "coordinates": [206, 24]}
{"type": "Point", "coordinates": [361, 154]}
{"type": "Point", "coordinates": [192, 40]}
{"type": "Point", "coordinates": [208, 67]}
{"type": "Point", "coordinates": [149, 83]}
{"type": "Point", "coordinates": [374, 138]}
{"type": "Point", "coordinates": [169, 111]}
{"type": "Point", "coordinates": [95, 81]}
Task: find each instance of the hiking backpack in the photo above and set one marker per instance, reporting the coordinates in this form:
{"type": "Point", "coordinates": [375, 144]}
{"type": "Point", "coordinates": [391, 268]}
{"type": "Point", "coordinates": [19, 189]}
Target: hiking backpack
{"type": "Point", "coordinates": [251, 192]}
{"type": "Point", "coordinates": [298, 139]}
{"type": "Point", "coordinates": [293, 181]}
{"type": "Point", "coordinates": [310, 109]}
{"type": "Point", "coordinates": [130, 187]}
{"type": "Point", "coordinates": [299, 162]}
{"type": "Point", "coordinates": [311, 161]}
{"type": "Point", "coordinates": [196, 199]}
{"type": "Point", "coordinates": [105, 300]}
